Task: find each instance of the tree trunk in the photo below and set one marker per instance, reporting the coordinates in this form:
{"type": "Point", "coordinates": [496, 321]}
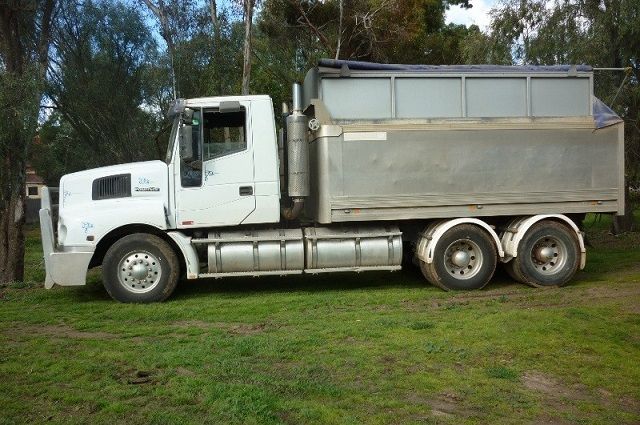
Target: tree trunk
{"type": "Point", "coordinates": [160, 12]}
{"type": "Point", "coordinates": [341, 8]}
{"type": "Point", "coordinates": [217, 43]}
{"type": "Point", "coordinates": [12, 219]}
{"type": "Point", "coordinates": [246, 65]}
{"type": "Point", "coordinates": [20, 93]}
{"type": "Point", "coordinates": [624, 223]}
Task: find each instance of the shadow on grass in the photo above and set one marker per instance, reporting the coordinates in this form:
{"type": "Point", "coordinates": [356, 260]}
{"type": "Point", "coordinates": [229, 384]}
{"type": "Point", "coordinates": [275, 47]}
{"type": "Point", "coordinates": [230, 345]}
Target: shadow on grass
{"type": "Point", "coordinates": [406, 278]}
{"type": "Point", "coordinates": [599, 269]}
{"type": "Point", "coordinates": [409, 277]}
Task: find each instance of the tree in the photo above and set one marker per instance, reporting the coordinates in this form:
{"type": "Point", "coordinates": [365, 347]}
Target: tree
{"type": "Point", "coordinates": [97, 86]}
{"type": "Point", "coordinates": [161, 13]}
{"type": "Point", "coordinates": [177, 21]}
{"type": "Point", "coordinates": [25, 29]}
{"type": "Point", "coordinates": [249, 6]}
{"type": "Point", "coordinates": [412, 31]}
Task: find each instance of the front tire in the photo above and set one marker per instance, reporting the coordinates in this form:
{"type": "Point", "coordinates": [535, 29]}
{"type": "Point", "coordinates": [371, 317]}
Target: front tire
{"type": "Point", "coordinates": [140, 268]}
{"type": "Point", "coordinates": [548, 255]}
{"type": "Point", "coordinates": [464, 258]}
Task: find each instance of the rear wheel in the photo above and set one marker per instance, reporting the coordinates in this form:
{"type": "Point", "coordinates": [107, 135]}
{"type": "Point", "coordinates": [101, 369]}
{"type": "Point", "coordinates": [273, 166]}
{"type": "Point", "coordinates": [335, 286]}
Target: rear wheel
{"type": "Point", "coordinates": [140, 268]}
{"type": "Point", "coordinates": [511, 271]}
{"type": "Point", "coordinates": [464, 258]}
{"type": "Point", "coordinates": [548, 255]}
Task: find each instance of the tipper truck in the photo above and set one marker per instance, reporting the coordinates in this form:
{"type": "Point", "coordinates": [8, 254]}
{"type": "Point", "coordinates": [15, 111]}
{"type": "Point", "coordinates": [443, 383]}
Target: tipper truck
{"type": "Point", "coordinates": [458, 168]}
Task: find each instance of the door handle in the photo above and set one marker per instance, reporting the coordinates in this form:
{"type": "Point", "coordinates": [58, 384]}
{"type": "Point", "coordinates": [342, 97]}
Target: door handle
{"type": "Point", "coordinates": [246, 190]}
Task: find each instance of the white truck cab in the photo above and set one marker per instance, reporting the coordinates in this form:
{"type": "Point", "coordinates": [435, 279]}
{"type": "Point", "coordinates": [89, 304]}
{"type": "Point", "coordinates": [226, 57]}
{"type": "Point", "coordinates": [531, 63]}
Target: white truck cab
{"type": "Point", "coordinates": [216, 183]}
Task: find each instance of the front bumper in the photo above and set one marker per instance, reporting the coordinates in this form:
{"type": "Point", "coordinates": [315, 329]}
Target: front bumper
{"type": "Point", "coordinates": [64, 267]}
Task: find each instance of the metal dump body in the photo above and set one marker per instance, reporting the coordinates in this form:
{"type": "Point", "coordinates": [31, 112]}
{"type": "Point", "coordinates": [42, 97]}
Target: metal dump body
{"type": "Point", "coordinates": [409, 142]}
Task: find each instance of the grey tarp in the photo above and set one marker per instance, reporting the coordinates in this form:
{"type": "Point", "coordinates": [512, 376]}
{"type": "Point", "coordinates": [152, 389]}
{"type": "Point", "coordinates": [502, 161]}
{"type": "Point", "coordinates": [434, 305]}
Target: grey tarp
{"type": "Point", "coordinates": [371, 66]}
{"type": "Point", "coordinates": [602, 114]}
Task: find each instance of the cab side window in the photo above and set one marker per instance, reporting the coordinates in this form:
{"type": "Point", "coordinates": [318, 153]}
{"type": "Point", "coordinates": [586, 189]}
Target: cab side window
{"type": "Point", "coordinates": [190, 153]}
{"type": "Point", "coordinates": [224, 133]}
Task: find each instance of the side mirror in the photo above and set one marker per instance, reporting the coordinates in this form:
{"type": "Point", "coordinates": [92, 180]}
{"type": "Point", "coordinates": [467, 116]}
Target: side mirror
{"type": "Point", "coordinates": [186, 143]}
{"type": "Point", "coordinates": [187, 116]}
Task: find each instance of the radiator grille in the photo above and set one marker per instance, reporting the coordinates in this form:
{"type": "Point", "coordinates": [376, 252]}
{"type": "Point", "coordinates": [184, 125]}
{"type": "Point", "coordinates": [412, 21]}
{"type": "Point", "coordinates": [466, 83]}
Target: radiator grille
{"type": "Point", "coordinates": [118, 186]}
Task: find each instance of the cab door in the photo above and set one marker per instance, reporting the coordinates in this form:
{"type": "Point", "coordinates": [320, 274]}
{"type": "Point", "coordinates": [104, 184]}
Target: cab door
{"type": "Point", "coordinates": [215, 180]}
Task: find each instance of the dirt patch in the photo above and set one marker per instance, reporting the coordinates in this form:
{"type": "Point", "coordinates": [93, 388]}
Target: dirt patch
{"type": "Point", "coordinates": [551, 387]}
{"type": "Point", "coordinates": [55, 331]}
{"type": "Point", "coordinates": [445, 405]}
{"type": "Point", "coordinates": [544, 297]}
{"type": "Point", "coordinates": [604, 239]}
{"type": "Point", "coordinates": [389, 364]}
{"type": "Point", "coordinates": [450, 405]}
{"type": "Point", "coordinates": [557, 396]}
{"type": "Point", "coordinates": [197, 324]}
{"type": "Point", "coordinates": [232, 328]}
{"type": "Point", "coordinates": [136, 377]}
{"type": "Point", "coordinates": [575, 297]}
{"type": "Point", "coordinates": [550, 420]}
{"type": "Point", "coordinates": [562, 397]}
{"type": "Point", "coordinates": [182, 371]}
{"type": "Point", "coordinates": [633, 308]}
{"type": "Point", "coordinates": [245, 329]}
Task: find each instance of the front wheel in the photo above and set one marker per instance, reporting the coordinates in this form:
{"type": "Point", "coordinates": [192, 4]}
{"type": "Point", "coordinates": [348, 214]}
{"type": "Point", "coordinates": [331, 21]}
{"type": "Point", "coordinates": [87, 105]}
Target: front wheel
{"type": "Point", "coordinates": [464, 258]}
{"type": "Point", "coordinates": [140, 268]}
{"type": "Point", "coordinates": [548, 255]}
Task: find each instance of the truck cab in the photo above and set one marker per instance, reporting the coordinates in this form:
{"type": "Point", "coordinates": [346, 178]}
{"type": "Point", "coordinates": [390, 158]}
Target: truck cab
{"type": "Point", "coordinates": [220, 170]}
{"type": "Point", "coordinates": [223, 163]}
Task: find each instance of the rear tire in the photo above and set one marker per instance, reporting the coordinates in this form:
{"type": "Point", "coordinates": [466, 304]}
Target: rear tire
{"type": "Point", "coordinates": [512, 272]}
{"type": "Point", "coordinates": [464, 258]}
{"type": "Point", "coordinates": [548, 255]}
{"type": "Point", "coordinates": [140, 268]}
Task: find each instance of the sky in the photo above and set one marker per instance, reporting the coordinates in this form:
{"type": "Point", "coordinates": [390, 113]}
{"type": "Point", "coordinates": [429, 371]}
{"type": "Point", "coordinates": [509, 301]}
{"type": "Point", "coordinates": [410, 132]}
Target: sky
{"type": "Point", "coordinates": [478, 14]}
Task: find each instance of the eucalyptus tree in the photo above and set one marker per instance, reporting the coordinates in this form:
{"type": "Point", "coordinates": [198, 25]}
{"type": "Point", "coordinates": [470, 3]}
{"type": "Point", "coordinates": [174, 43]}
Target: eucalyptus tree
{"type": "Point", "coordinates": [97, 84]}
{"type": "Point", "coordinates": [411, 31]}
{"type": "Point", "coordinates": [25, 28]}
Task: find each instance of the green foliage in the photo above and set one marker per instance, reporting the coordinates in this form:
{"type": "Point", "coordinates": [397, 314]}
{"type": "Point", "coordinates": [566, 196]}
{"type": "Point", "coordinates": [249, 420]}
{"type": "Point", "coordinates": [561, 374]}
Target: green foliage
{"type": "Point", "coordinates": [58, 150]}
{"type": "Point", "coordinates": [482, 48]}
{"type": "Point", "coordinates": [410, 31]}
{"type": "Point", "coordinates": [19, 103]}
{"type": "Point", "coordinates": [98, 88]}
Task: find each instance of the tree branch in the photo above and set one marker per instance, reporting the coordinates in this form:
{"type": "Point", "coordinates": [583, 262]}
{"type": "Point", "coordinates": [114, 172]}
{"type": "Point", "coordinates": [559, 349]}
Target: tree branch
{"type": "Point", "coordinates": [323, 38]}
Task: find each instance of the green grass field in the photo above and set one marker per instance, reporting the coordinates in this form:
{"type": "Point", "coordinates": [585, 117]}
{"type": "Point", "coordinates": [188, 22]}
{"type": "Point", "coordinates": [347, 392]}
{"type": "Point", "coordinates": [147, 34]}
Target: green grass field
{"type": "Point", "coordinates": [369, 348]}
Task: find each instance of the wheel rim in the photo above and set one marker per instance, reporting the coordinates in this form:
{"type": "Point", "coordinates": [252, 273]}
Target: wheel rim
{"type": "Point", "coordinates": [463, 259]}
{"type": "Point", "coordinates": [549, 255]}
{"type": "Point", "coordinates": [139, 272]}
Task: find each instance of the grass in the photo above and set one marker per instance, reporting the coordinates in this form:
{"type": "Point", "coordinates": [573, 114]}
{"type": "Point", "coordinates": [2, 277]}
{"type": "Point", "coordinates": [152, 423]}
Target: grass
{"type": "Point", "coordinates": [370, 348]}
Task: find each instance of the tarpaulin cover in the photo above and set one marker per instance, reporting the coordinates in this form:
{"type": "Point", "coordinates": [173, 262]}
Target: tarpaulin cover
{"type": "Point", "coordinates": [371, 66]}
{"type": "Point", "coordinates": [603, 115]}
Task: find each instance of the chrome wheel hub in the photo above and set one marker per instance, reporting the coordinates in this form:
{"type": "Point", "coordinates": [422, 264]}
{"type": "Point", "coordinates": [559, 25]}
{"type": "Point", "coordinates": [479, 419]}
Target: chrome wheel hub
{"type": "Point", "coordinates": [460, 258]}
{"type": "Point", "coordinates": [139, 272]}
{"type": "Point", "coordinates": [463, 259]}
{"type": "Point", "coordinates": [545, 254]}
{"type": "Point", "coordinates": [549, 255]}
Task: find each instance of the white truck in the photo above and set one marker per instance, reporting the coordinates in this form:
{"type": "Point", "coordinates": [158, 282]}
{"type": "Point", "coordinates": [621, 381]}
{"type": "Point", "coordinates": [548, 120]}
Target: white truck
{"type": "Point", "coordinates": [461, 167]}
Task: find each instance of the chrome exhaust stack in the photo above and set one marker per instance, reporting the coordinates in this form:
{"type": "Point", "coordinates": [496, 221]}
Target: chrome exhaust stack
{"type": "Point", "coordinates": [297, 157]}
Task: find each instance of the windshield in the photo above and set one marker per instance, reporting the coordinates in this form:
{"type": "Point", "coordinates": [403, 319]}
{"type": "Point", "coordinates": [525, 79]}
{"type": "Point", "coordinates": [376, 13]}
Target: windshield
{"type": "Point", "coordinates": [172, 138]}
